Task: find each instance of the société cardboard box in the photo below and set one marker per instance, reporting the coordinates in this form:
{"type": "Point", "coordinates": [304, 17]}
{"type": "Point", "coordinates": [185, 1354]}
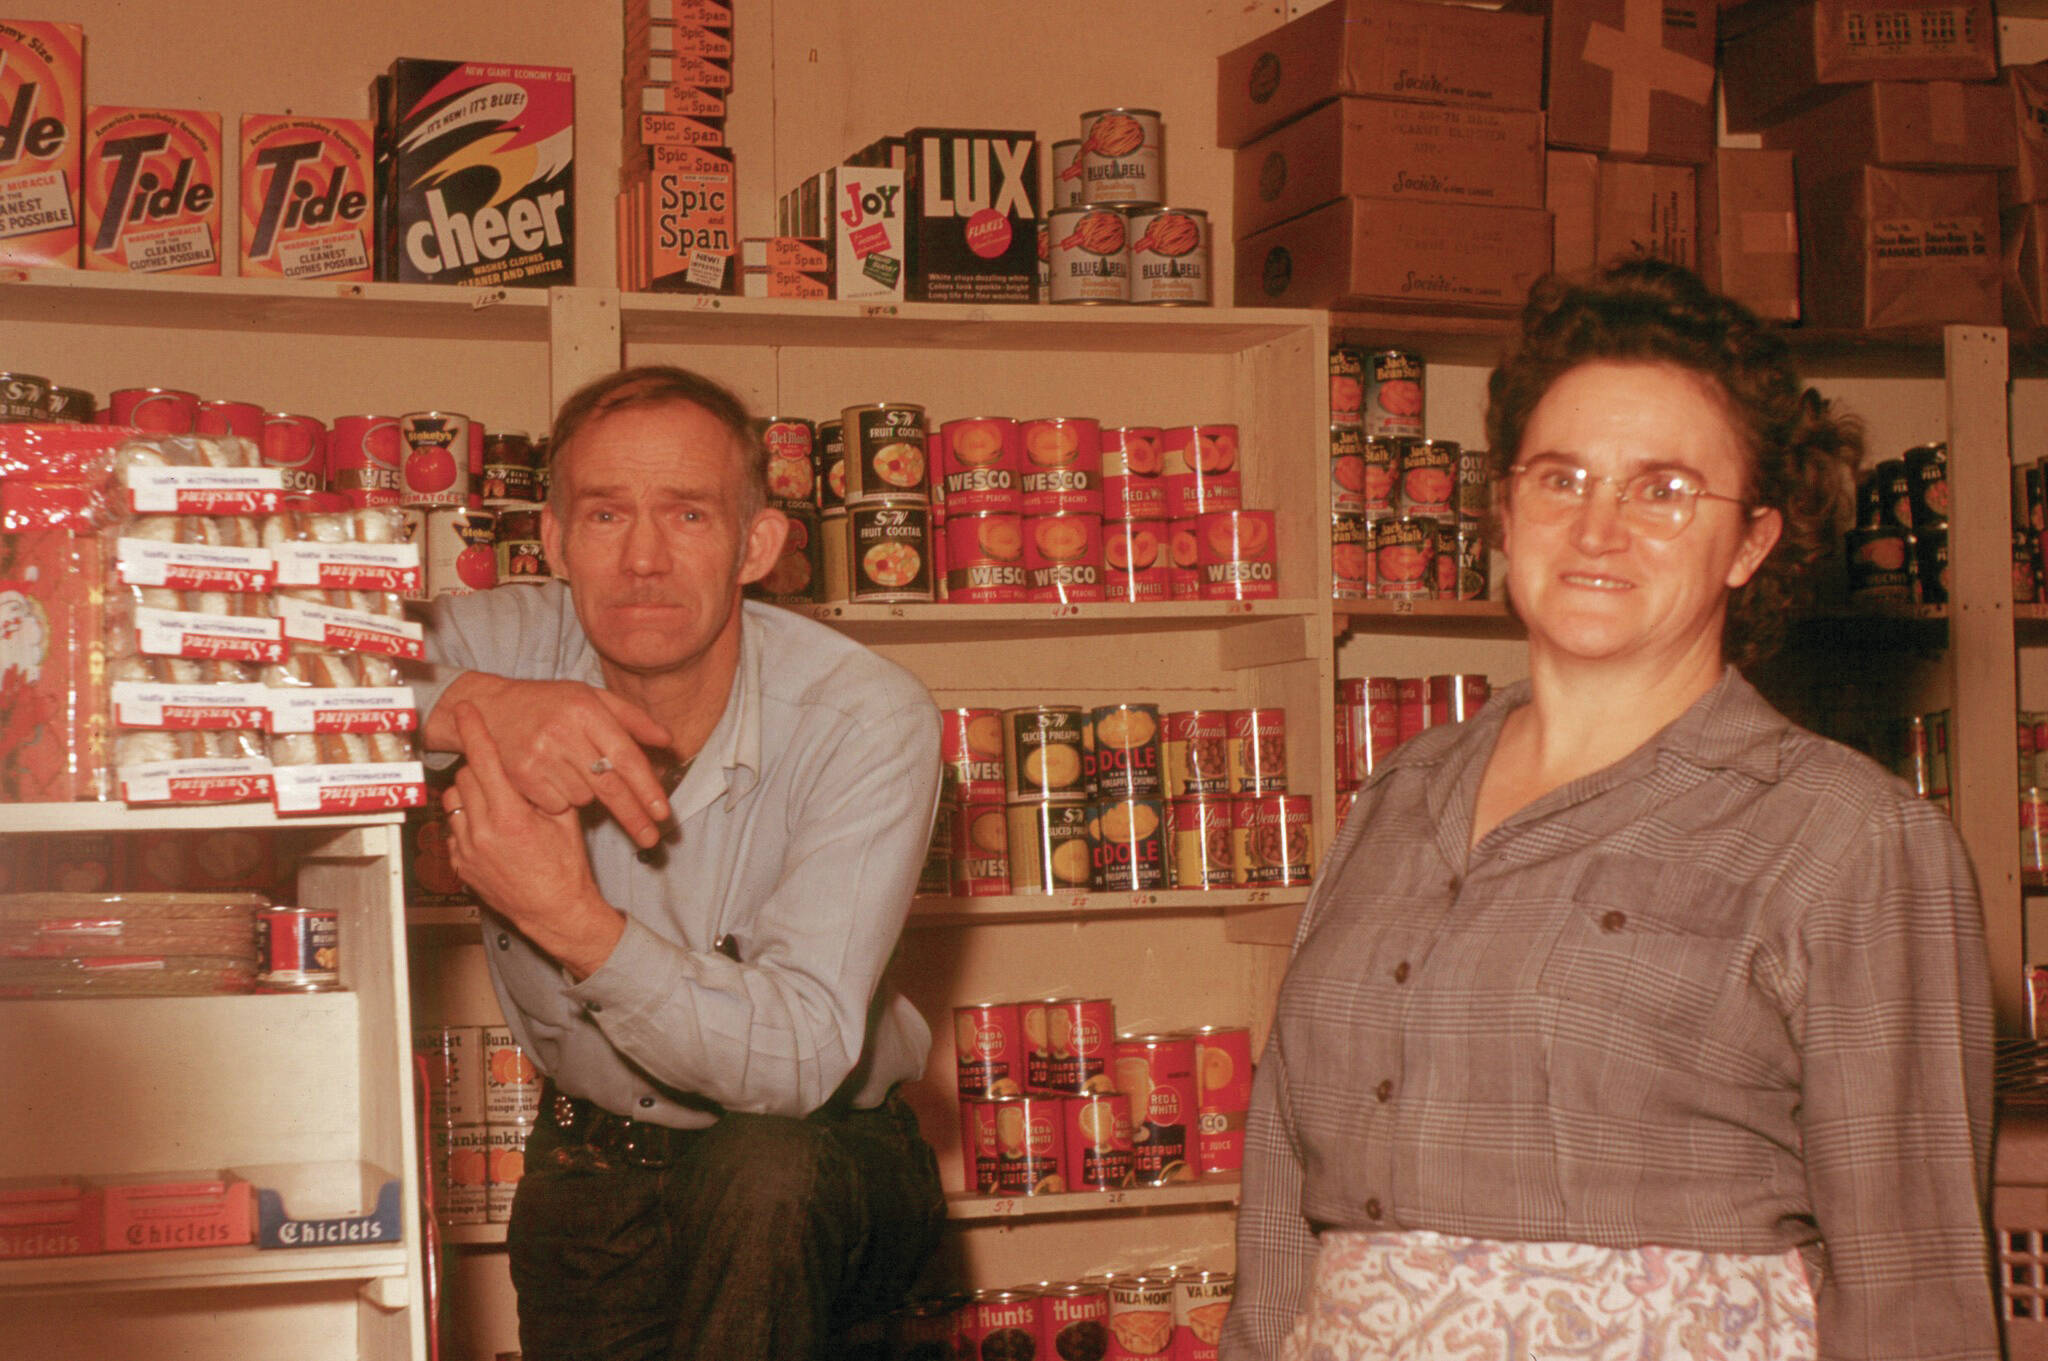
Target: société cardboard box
{"type": "Point", "coordinates": [42, 135]}
{"type": "Point", "coordinates": [1571, 191]}
{"type": "Point", "coordinates": [152, 191]}
{"type": "Point", "coordinates": [1749, 230]}
{"type": "Point", "coordinates": [1885, 247]}
{"type": "Point", "coordinates": [1399, 253]}
{"type": "Point", "coordinates": [2026, 265]}
{"type": "Point", "coordinates": [1398, 49]}
{"type": "Point", "coordinates": [1928, 123]}
{"type": "Point", "coordinates": [1390, 148]}
{"type": "Point", "coordinates": [2026, 87]}
{"type": "Point", "coordinates": [1631, 78]}
{"type": "Point", "coordinates": [1781, 57]}
{"type": "Point", "coordinates": [1647, 209]}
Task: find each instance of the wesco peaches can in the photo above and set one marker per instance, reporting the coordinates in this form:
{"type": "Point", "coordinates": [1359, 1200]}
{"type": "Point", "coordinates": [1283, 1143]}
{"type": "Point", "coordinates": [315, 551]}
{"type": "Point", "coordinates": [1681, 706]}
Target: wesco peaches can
{"type": "Point", "coordinates": [980, 862]}
{"type": "Point", "coordinates": [1156, 1074]}
{"type": "Point", "coordinates": [1068, 1043]}
{"type": "Point", "coordinates": [985, 558]}
{"type": "Point", "coordinates": [1237, 555]}
{"type": "Point", "coordinates": [1063, 559]}
{"type": "Point", "coordinates": [988, 1049]}
{"type": "Point", "coordinates": [971, 753]}
{"type": "Point", "coordinates": [1223, 1077]}
{"type": "Point", "coordinates": [1062, 465]}
{"type": "Point", "coordinates": [981, 465]}
{"type": "Point", "coordinates": [1098, 1142]}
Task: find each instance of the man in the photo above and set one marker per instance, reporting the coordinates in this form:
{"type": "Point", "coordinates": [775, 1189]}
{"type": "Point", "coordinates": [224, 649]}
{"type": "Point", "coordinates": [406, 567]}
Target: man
{"type": "Point", "coordinates": [691, 946]}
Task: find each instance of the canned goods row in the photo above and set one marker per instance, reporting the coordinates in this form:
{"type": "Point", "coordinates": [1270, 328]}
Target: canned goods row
{"type": "Point", "coordinates": [1377, 476]}
{"type": "Point", "coordinates": [1920, 754]}
{"type": "Point", "coordinates": [27, 397]}
{"type": "Point", "coordinates": [1377, 391]}
{"type": "Point", "coordinates": [2033, 747]}
{"type": "Point", "coordinates": [1909, 492]}
{"type": "Point", "coordinates": [1100, 253]}
{"type": "Point", "coordinates": [477, 1170]}
{"type": "Point", "coordinates": [476, 1075]}
{"type": "Point", "coordinates": [2034, 835]}
{"type": "Point", "coordinates": [466, 549]}
{"type": "Point", "coordinates": [1376, 714]}
{"type": "Point", "coordinates": [2029, 517]}
{"type": "Point", "coordinates": [1893, 566]}
{"type": "Point", "coordinates": [1174, 1314]}
{"type": "Point", "coordinates": [298, 949]}
{"type": "Point", "coordinates": [1060, 751]}
{"type": "Point", "coordinates": [1407, 557]}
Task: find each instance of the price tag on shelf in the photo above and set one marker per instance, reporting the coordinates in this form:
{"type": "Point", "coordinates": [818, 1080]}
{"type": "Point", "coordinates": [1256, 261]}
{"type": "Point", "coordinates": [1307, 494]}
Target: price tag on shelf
{"type": "Point", "coordinates": [487, 298]}
{"type": "Point", "coordinates": [879, 309]}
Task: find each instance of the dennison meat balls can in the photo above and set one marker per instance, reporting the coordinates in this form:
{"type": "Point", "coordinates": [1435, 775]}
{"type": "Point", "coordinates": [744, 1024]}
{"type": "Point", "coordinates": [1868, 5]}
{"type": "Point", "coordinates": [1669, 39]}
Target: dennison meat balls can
{"type": "Point", "coordinates": [981, 850]}
{"type": "Point", "coordinates": [1270, 839]}
{"type": "Point", "coordinates": [890, 544]}
{"type": "Point", "coordinates": [1134, 557]}
{"type": "Point", "coordinates": [1202, 857]}
{"type": "Point", "coordinates": [1063, 558]}
{"type": "Point", "coordinates": [1350, 568]}
{"type": "Point", "coordinates": [1140, 1314]}
{"type": "Point", "coordinates": [1169, 257]}
{"type": "Point", "coordinates": [1196, 757]}
{"type": "Point", "coordinates": [1156, 1074]}
{"type": "Point", "coordinates": [1200, 463]}
{"type": "Point", "coordinates": [1255, 753]}
{"type": "Point", "coordinates": [790, 442]}
{"type": "Point", "coordinates": [1394, 394]}
{"type": "Point", "coordinates": [511, 474]}
{"type": "Point", "coordinates": [1123, 156]}
{"type": "Point", "coordinates": [1223, 1077]}
{"type": "Point", "coordinates": [1049, 851]}
{"type": "Point", "coordinates": [971, 753]}
{"type": "Point", "coordinates": [1042, 752]}
{"type": "Point", "coordinates": [1201, 1302]}
{"type": "Point", "coordinates": [1127, 751]}
{"type": "Point", "coordinates": [1881, 566]}
{"type": "Point", "coordinates": [981, 465]}
{"type": "Point", "coordinates": [1001, 1325]}
{"type": "Point", "coordinates": [1088, 253]}
{"type": "Point", "coordinates": [988, 1047]}
{"type": "Point", "coordinates": [1132, 485]}
{"type": "Point", "coordinates": [1183, 559]}
{"type": "Point", "coordinates": [1429, 477]}
{"type": "Point", "coordinates": [1129, 845]}
{"type": "Point", "coordinates": [1062, 465]}
{"type": "Point", "coordinates": [1098, 1143]}
{"type": "Point", "coordinates": [885, 450]}
{"type": "Point", "coordinates": [1404, 558]}
{"type": "Point", "coordinates": [985, 558]}
{"type": "Point", "coordinates": [1237, 555]}
{"type": "Point", "coordinates": [1069, 1042]}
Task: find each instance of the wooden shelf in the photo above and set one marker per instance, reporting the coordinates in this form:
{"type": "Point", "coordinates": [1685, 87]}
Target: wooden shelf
{"type": "Point", "coordinates": [22, 818]}
{"type": "Point", "coordinates": [1218, 1193]}
{"type": "Point", "coordinates": [444, 915]}
{"type": "Point", "coordinates": [947, 911]}
{"type": "Point", "coordinates": [1440, 618]}
{"type": "Point", "coordinates": [472, 1235]}
{"type": "Point", "coordinates": [976, 623]}
{"type": "Point", "coordinates": [200, 1268]}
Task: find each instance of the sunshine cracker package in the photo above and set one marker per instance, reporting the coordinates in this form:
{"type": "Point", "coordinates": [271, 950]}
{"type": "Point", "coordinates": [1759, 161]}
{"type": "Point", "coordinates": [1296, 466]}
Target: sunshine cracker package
{"type": "Point", "coordinates": [42, 81]}
{"type": "Point", "coordinates": [306, 197]}
{"type": "Point", "coordinates": [152, 191]}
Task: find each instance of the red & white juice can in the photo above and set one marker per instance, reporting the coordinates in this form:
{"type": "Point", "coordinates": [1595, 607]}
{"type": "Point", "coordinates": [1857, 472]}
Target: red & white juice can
{"type": "Point", "coordinates": [1068, 1044]}
{"type": "Point", "coordinates": [1184, 559]}
{"type": "Point", "coordinates": [1156, 1074]}
{"type": "Point", "coordinates": [1098, 1142]}
{"type": "Point", "coordinates": [1135, 561]}
{"type": "Point", "coordinates": [1223, 1076]}
{"type": "Point", "coordinates": [988, 1047]}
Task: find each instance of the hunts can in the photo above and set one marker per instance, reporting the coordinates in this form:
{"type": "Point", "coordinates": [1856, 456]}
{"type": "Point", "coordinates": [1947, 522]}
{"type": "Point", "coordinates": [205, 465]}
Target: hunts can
{"type": "Point", "coordinates": [1074, 1321]}
{"type": "Point", "coordinates": [1000, 1323]}
{"type": "Point", "coordinates": [1196, 756]}
{"type": "Point", "coordinates": [792, 464]}
{"type": "Point", "coordinates": [1270, 839]}
{"type": "Point", "coordinates": [1063, 558]}
{"type": "Point", "coordinates": [1132, 488]}
{"type": "Point", "coordinates": [1404, 558]}
{"type": "Point", "coordinates": [1169, 257]}
{"type": "Point", "coordinates": [985, 558]}
{"type": "Point", "coordinates": [511, 473]}
{"type": "Point", "coordinates": [981, 465]}
{"type": "Point", "coordinates": [1394, 397]}
{"type": "Point", "coordinates": [1256, 752]}
{"type": "Point", "coordinates": [1429, 477]}
{"type": "Point", "coordinates": [1069, 1043]}
{"type": "Point", "coordinates": [1201, 467]}
{"type": "Point", "coordinates": [1223, 1077]}
{"type": "Point", "coordinates": [1202, 857]}
{"type": "Point", "coordinates": [885, 451]}
{"type": "Point", "coordinates": [1129, 841]}
{"type": "Point", "coordinates": [438, 458]}
{"type": "Point", "coordinates": [1156, 1074]}
{"type": "Point", "coordinates": [364, 454]}
{"type": "Point", "coordinates": [1088, 255]}
{"type": "Point", "coordinates": [1098, 1143]}
{"type": "Point", "coordinates": [988, 1049]}
{"type": "Point", "coordinates": [1135, 558]}
{"type": "Point", "coordinates": [890, 547]}
{"type": "Point", "coordinates": [1123, 156]}
{"type": "Point", "coordinates": [1237, 561]}
{"type": "Point", "coordinates": [971, 753]}
{"type": "Point", "coordinates": [1062, 465]}
{"type": "Point", "coordinates": [981, 850]}
{"type": "Point", "coordinates": [1049, 850]}
{"type": "Point", "coordinates": [1127, 751]}
{"type": "Point", "coordinates": [1042, 752]}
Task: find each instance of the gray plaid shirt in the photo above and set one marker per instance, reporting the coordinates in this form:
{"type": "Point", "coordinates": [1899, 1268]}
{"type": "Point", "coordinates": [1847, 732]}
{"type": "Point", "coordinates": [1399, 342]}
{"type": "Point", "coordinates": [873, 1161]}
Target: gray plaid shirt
{"type": "Point", "coordinates": [1728, 994]}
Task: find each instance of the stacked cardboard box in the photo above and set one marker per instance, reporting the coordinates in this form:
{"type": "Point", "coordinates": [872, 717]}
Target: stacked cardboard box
{"type": "Point", "coordinates": [1389, 153]}
{"type": "Point", "coordinates": [2023, 197]}
{"type": "Point", "coordinates": [678, 206]}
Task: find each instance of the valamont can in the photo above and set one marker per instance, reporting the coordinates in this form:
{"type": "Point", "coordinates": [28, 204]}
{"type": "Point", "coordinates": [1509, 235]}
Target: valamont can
{"type": "Point", "coordinates": [1088, 246]}
{"type": "Point", "coordinates": [1169, 257]}
{"type": "Point", "coordinates": [1201, 1301]}
{"type": "Point", "coordinates": [1140, 1314]}
{"type": "Point", "coordinates": [890, 544]}
{"type": "Point", "coordinates": [1123, 156]}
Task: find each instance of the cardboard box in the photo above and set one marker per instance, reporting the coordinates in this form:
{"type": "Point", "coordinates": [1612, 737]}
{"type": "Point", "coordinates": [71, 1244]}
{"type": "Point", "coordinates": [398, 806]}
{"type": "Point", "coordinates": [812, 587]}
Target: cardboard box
{"type": "Point", "coordinates": [1749, 230]}
{"type": "Point", "coordinates": [1397, 252]}
{"type": "Point", "coordinates": [971, 215]}
{"type": "Point", "coordinates": [1632, 78]}
{"type": "Point", "coordinates": [785, 267]}
{"type": "Point", "coordinates": [1905, 123]}
{"type": "Point", "coordinates": [1884, 247]}
{"type": "Point", "coordinates": [157, 1211]}
{"type": "Point", "coordinates": [2026, 265]}
{"type": "Point", "coordinates": [1647, 210]}
{"type": "Point", "coordinates": [306, 187]}
{"type": "Point", "coordinates": [1783, 60]}
{"type": "Point", "coordinates": [49, 1217]}
{"type": "Point", "coordinates": [42, 132]}
{"type": "Point", "coordinates": [1399, 49]}
{"type": "Point", "coordinates": [2026, 87]}
{"type": "Point", "coordinates": [864, 211]}
{"type": "Point", "coordinates": [152, 191]}
{"type": "Point", "coordinates": [1571, 191]}
{"type": "Point", "coordinates": [1390, 148]}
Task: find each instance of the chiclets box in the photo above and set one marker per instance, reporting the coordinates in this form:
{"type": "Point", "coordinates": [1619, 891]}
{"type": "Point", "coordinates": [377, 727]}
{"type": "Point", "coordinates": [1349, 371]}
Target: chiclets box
{"type": "Point", "coordinates": [477, 179]}
{"type": "Point", "coordinates": [152, 191]}
{"type": "Point", "coordinates": [306, 197]}
{"type": "Point", "coordinates": [972, 215]}
{"type": "Point", "coordinates": [42, 132]}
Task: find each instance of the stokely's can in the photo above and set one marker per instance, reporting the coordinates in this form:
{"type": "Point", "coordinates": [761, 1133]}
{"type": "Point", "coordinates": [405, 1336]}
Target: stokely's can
{"type": "Point", "coordinates": [1255, 752]}
{"type": "Point", "coordinates": [1201, 842]}
{"type": "Point", "coordinates": [363, 457]}
{"type": "Point", "coordinates": [1088, 255]}
{"type": "Point", "coordinates": [220, 417]}
{"type": "Point", "coordinates": [985, 558]}
{"type": "Point", "coordinates": [460, 1157]}
{"type": "Point", "coordinates": [1201, 1302]}
{"type": "Point", "coordinates": [890, 547]}
{"type": "Point", "coordinates": [1169, 257]}
{"type": "Point", "coordinates": [1350, 569]}
{"type": "Point", "coordinates": [1271, 839]}
{"type": "Point", "coordinates": [1063, 558]}
{"type": "Point", "coordinates": [1068, 1044]}
{"type": "Point", "coordinates": [1042, 752]}
{"type": "Point", "coordinates": [1127, 751]}
{"type": "Point", "coordinates": [1184, 559]}
{"type": "Point", "coordinates": [1404, 558]}
{"type": "Point", "coordinates": [1132, 486]}
{"type": "Point", "coordinates": [1472, 561]}
{"type": "Point", "coordinates": [1134, 555]}
{"type": "Point", "coordinates": [521, 558]}
{"type": "Point", "coordinates": [1429, 477]}
{"type": "Point", "coordinates": [1475, 484]}
{"type": "Point", "coordinates": [1062, 465]}
{"type": "Point", "coordinates": [1123, 156]}
{"type": "Point", "coordinates": [981, 465]}
{"type": "Point", "coordinates": [1128, 846]}
{"type": "Point", "coordinates": [797, 572]}
{"type": "Point", "coordinates": [511, 473]}
{"type": "Point", "coordinates": [885, 451]}
{"type": "Point", "coordinates": [1196, 759]}
{"type": "Point", "coordinates": [1098, 1144]}
{"type": "Point", "coordinates": [298, 949]}
{"type": "Point", "coordinates": [1394, 394]}
{"type": "Point", "coordinates": [455, 1073]}
{"type": "Point", "coordinates": [160, 411]}
{"type": "Point", "coordinates": [1223, 1077]}
{"type": "Point", "coordinates": [461, 550]}
{"type": "Point", "coordinates": [1049, 851]}
{"type": "Point", "coordinates": [1202, 475]}
{"type": "Point", "coordinates": [971, 753]}
{"type": "Point", "coordinates": [1237, 560]}
{"type": "Point", "coordinates": [988, 1049]}
{"type": "Point", "coordinates": [1065, 161]}
{"type": "Point", "coordinates": [1000, 1323]}
{"type": "Point", "coordinates": [436, 469]}
{"type": "Point", "coordinates": [831, 444]}
{"type": "Point", "coordinates": [1881, 567]}
{"type": "Point", "coordinates": [835, 556]}
{"type": "Point", "coordinates": [1347, 470]}
{"type": "Point", "coordinates": [511, 1082]}
{"type": "Point", "coordinates": [298, 445]}
{"type": "Point", "coordinates": [1140, 1312]}
{"type": "Point", "coordinates": [505, 1167]}
{"type": "Point", "coordinates": [1156, 1074]}
{"type": "Point", "coordinates": [792, 465]}
{"type": "Point", "coordinates": [1074, 1320]}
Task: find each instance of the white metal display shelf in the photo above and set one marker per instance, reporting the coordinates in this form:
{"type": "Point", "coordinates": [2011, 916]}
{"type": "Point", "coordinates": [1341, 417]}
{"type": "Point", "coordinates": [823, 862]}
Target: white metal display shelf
{"type": "Point", "coordinates": [194, 1268]}
{"type": "Point", "coordinates": [934, 910]}
{"type": "Point", "coordinates": [1217, 1192]}
{"type": "Point", "coordinates": [119, 817]}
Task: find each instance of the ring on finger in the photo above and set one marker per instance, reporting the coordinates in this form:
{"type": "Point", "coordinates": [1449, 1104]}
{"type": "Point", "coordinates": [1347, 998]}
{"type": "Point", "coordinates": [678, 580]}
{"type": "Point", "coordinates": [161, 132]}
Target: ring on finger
{"type": "Point", "coordinates": [600, 765]}
{"type": "Point", "coordinates": [458, 808]}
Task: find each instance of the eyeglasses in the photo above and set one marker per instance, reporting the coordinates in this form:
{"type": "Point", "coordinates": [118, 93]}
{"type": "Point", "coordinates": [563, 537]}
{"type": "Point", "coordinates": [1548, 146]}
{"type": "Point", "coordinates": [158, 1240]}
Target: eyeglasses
{"type": "Point", "coordinates": [1658, 505]}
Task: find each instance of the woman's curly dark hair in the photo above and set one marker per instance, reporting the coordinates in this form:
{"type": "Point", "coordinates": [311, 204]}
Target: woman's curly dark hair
{"type": "Point", "coordinates": [1802, 455]}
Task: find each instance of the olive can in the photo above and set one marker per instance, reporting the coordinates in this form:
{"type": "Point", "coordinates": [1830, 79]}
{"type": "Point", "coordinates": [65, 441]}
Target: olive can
{"type": "Point", "coordinates": [1128, 845]}
{"type": "Point", "coordinates": [1123, 156]}
{"type": "Point", "coordinates": [980, 862]}
{"type": "Point", "coordinates": [1088, 253]}
{"type": "Point", "coordinates": [1350, 570]}
{"type": "Point", "coordinates": [1404, 557]}
{"type": "Point", "coordinates": [1049, 851]}
{"type": "Point", "coordinates": [1042, 752]}
{"type": "Point", "coordinates": [830, 441]}
{"type": "Point", "coordinates": [1270, 839]}
{"type": "Point", "coordinates": [1127, 751]}
{"type": "Point", "coordinates": [792, 466]}
{"type": "Point", "coordinates": [1169, 257]}
{"type": "Point", "coordinates": [1196, 757]}
{"type": "Point", "coordinates": [1429, 477]}
{"type": "Point", "coordinates": [1394, 394]}
{"type": "Point", "coordinates": [1201, 842]}
{"type": "Point", "coordinates": [889, 547]}
{"type": "Point", "coordinates": [885, 451]}
{"type": "Point", "coordinates": [1255, 753]}
{"type": "Point", "coordinates": [1156, 1074]}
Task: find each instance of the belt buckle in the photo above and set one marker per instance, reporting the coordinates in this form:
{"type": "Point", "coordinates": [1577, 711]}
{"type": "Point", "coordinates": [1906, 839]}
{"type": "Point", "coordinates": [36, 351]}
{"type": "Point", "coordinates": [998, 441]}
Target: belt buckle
{"type": "Point", "coordinates": [647, 1145]}
{"type": "Point", "coordinates": [566, 1114]}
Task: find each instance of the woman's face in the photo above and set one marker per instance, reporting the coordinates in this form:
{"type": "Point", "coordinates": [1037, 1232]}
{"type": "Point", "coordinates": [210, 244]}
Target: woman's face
{"type": "Point", "coordinates": [1590, 587]}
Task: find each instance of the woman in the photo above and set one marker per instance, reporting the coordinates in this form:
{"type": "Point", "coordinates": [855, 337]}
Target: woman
{"type": "Point", "coordinates": [1628, 1019]}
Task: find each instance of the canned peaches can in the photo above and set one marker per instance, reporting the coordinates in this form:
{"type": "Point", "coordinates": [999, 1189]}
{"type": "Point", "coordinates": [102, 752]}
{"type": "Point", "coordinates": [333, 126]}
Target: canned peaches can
{"type": "Point", "coordinates": [1429, 477]}
{"type": "Point", "coordinates": [981, 850]}
{"type": "Point", "coordinates": [1063, 558]}
{"type": "Point", "coordinates": [1183, 560]}
{"type": "Point", "coordinates": [1202, 856]}
{"type": "Point", "coordinates": [988, 1049]}
{"type": "Point", "coordinates": [1062, 468]}
{"type": "Point", "coordinates": [1169, 257]}
{"type": "Point", "coordinates": [1098, 1142]}
{"type": "Point", "coordinates": [985, 558]}
{"type": "Point", "coordinates": [971, 753]}
{"type": "Point", "coordinates": [1201, 468]}
{"type": "Point", "coordinates": [1123, 156]}
{"type": "Point", "coordinates": [1350, 571]}
{"type": "Point", "coordinates": [1223, 1077]}
{"type": "Point", "coordinates": [1156, 1074]}
{"type": "Point", "coordinates": [1042, 752]}
{"type": "Point", "coordinates": [1049, 850]}
{"type": "Point", "coordinates": [1068, 1043]}
{"type": "Point", "coordinates": [1132, 484]}
{"type": "Point", "coordinates": [1129, 845]}
{"type": "Point", "coordinates": [1255, 754]}
{"type": "Point", "coordinates": [1270, 839]}
{"type": "Point", "coordinates": [885, 450]}
{"type": "Point", "coordinates": [1135, 564]}
{"type": "Point", "coordinates": [889, 543]}
{"type": "Point", "coordinates": [1088, 254]}
{"type": "Point", "coordinates": [1195, 758]}
{"type": "Point", "coordinates": [1127, 751]}
{"type": "Point", "coordinates": [1237, 555]}
{"type": "Point", "coordinates": [981, 465]}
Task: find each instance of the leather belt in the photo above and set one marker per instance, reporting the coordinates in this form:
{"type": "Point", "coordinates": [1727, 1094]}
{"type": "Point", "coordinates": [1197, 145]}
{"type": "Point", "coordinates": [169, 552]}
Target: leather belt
{"type": "Point", "coordinates": [590, 1135]}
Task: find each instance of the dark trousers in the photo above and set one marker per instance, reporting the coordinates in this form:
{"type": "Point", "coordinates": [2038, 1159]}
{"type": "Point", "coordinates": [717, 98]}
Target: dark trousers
{"type": "Point", "coordinates": [764, 1238]}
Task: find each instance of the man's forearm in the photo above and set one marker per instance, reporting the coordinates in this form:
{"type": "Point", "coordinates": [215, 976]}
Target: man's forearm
{"type": "Point", "coordinates": [437, 731]}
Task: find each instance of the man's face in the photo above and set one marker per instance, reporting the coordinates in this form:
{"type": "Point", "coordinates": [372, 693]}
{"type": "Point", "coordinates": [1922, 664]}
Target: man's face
{"type": "Point", "coordinates": [651, 535]}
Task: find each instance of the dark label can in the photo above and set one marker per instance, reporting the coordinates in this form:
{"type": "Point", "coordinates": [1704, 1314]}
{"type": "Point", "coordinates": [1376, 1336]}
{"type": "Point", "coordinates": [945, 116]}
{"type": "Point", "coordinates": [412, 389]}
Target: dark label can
{"type": "Point", "coordinates": [1127, 751]}
{"type": "Point", "coordinates": [791, 445]}
{"type": "Point", "coordinates": [936, 876]}
{"type": "Point", "coordinates": [1196, 758]}
{"type": "Point", "coordinates": [1429, 477]}
{"type": "Point", "coordinates": [511, 474]}
{"type": "Point", "coordinates": [981, 850]}
{"type": "Point", "coordinates": [1062, 465]}
{"type": "Point", "coordinates": [1201, 468]}
{"type": "Point", "coordinates": [988, 1049]}
{"type": "Point", "coordinates": [1927, 485]}
{"type": "Point", "coordinates": [885, 450]}
{"type": "Point", "coordinates": [1894, 493]}
{"type": "Point", "coordinates": [1134, 554]}
{"type": "Point", "coordinates": [985, 558]}
{"type": "Point", "coordinates": [981, 465]}
{"type": "Point", "coordinates": [1132, 485]}
{"type": "Point", "coordinates": [890, 543]}
{"type": "Point", "coordinates": [1049, 850]}
{"type": "Point", "coordinates": [1256, 751]}
{"type": "Point", "coordinates": [1123, 156]}
{"type": "Point", "coordinates": [2026, 578]}
{"type": "Point", "coordinates": [1098, 1146]}
{"type": "Point", "coordinates": [1063, 558]}
{"type": "Point", "coordinates": [971, 753]}
{"type": "Point", "coordinates": [1394, 399]}
{"type": "Point", "coordinates": [1238, 555]}
{"type": "Point", "coordinates": [439, 459]}
{"type": "Point", "coordinates": [520, 554]}
{"type": "Point", "coordinates": [25, 397]}
{"type": "Point", "coordinates": [1270, 839]}
{"type": "Point", "coordinates": [831, 444]}
{"type": "Point", "coordinates": [1156, 1074]}
{"type": "Point", "coordinates": [1350, 573]}
{"type": "Point", "coordinates": [1129, 845]}
{"type": "Point", "coordinates": [298, 949]}
{"type": "Point", "coordinates": [1201, 843]}
{"type": "Point", "coordinates": [1404, 558]}
{"type": "Point", "coordinates": [1088, 253]}
{"type": "Point", "coordinates": [1042, 751]}
{"type": "Point", "coordinates": [1068, 1043]}
{"type": "Point", "coordinates": [1880, 565]}
{"type": "Point", "coordinates": [1475, 484]}
{"type": "Point", "coordinates": [1169, 257]}
{"type": "Point", "coordinates": [1930, 559]}
{"type": "Point", "coordinates": [1347, 470]}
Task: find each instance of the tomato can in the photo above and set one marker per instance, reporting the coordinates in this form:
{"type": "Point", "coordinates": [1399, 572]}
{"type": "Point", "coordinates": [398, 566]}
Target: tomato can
{"type": "Point", "coordinates": [461, 550]}
{"type": "Point", "coordinates": [889, 543]}
{"type": "Point", "coordinates": [985, 558]}
{"type": "Point", "coordinates": [159, 411]}
{"type": "Point", "coordinates": [1042, 752]}
{"type": "Point", "coordinates": [792, 461]}
{"type": "Point", "coordinates": [1202, 842]}
{"type": "Point", "coordinates": [461, 1162]}
{"type": "Point", "coordinates": [455, 1073]}
{"type": "Point", "coordinates": [1123, 156]}
{"type": "Point", "coordinates": [298, 446]}
{"type": "Point", "coordinates": [364, 454]}
{"type": "Point", "coordinates": [1404, 558]}
{"type": "Point", "coordinates": [1127, 751]}
{"type": "Point", "coordinates": [504, 1168]}
{"type": "Point", "coordinates": [885, 450]}
{"type": "Point", "coordinates": [1088, 255]}
{"type": "Point", "coordinates": [1201, 1302]}
{"type": "Point", "coordinates": [981, 465]}
{"type": "Point", "coordinates": [1270, 839]}
{"type": "Point", "coordinates": [1140, 1315]}
{"type": "Point", "coordinates": [1049, 850]}
{"type": "Point", "coordinates": [1132, 486]}
{"type": "Point", "coordinates": [1429, 477]}
{"type": "Point", "coordinates": [511, 1082]}
{"type": "Point", "coordinates": [1068, 1044]}
{"type": "Point", "coordinates": [522, 558]}
{"type": "Point", "coordinates": [1128, 845]}
{"type": "Point", "coordinates": [1074, 1321]}
{"type": "Point", "coordinates": [1195, 756]}
{"type": "Point", "coordinates": [1350, 572]}
{"type": "Point", "coordinates": [1062, 465]}
{"type": "Point", "coordinates": [1063, 558]}
{"type": "Point", "coordinates": [1223, 1077]}
{"type": "Point", "coordinates": [1453, 698]}
{"type": "Point", "coordinates": [1394, 394]}
{"type": "Point", "coordinates": [1098, 1142]}
{"type": "Point", "coordinates": [1000, 1324]}
{"type": "Point", "coordinates": [1201, 468]}
{"type": "Point", "coordinates": [298, 949]}
{"type": "Point", "coordinates": [1237, 555]}
{"type": "Point", "coordinates": [1156, 1074]}
{"type": "Point", "coordinates": [830, 439]}
{"type": "Point", "coordinates": [435, 462]}
{"type": "Point", "coordinates": [971, 753]}
{"type": "Point", "coordinates": [1169, 257]}
{"type": "Point", "coordinates": [511, 471]}
{"type": "Point", "coordinates": [1183, 560]}
{"type": "Point", "coordinates": [1135, 561]}
{"type": "Point", "coordinates": [988, 1049]}
{"type": "Point", "coordinates": [981, 850]}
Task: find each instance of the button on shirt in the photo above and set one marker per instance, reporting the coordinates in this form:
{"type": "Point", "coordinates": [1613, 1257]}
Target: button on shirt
{"type": "Point", "coordinates": [799, 831]}
{"type": "Point", "coordinates": [1728, 994]}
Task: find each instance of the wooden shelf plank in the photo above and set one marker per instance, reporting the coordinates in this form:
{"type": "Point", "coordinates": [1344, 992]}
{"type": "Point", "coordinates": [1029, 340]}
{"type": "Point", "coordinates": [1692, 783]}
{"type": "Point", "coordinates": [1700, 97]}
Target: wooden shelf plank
{"type": "Point", "coordinates": [23, 818]}
{"type": "Point", "coordinates": [1438, 618]}
{"type": "Point", "coordinates": [948, 911]}
{"type": "Point", "coordinates": [473, 1235]}
{"type": "Point", "coordinates": [445, 915]}
{"type": "Point", "coordinates": [1133, 1200]}
{"type": "Point", "coordinates": [197, 1268]}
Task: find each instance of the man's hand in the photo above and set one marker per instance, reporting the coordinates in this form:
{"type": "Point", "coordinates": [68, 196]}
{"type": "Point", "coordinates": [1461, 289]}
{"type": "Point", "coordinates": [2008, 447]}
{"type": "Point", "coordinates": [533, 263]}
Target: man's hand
{"type": "Point", "coordinates": [528, 864]}
{"type": "Point", "coordinates": [566, 745]}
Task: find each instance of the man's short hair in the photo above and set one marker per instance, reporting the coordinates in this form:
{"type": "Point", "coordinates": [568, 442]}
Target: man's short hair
{"type": "Point", "coordinates": [658, 385]}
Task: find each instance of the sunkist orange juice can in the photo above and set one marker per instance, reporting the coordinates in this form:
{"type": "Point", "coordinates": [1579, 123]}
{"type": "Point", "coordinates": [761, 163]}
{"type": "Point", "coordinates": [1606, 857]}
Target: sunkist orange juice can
{"type": "Point", "coordinates": [305, 197]}
{"type": "Point", "coordinates": [152, 191]}
{"type": "Point", "coordinates": [42, 87]}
